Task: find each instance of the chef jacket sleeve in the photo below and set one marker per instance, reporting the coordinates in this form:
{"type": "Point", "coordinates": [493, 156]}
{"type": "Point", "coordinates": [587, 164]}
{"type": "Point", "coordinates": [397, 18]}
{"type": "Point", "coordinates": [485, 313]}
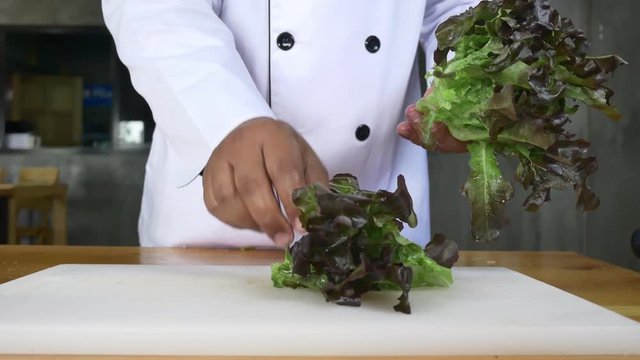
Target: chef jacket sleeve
{"type": "Point", "coordinates": [183, 61]}
{"type": "Point", "coordinates": [436, 12]}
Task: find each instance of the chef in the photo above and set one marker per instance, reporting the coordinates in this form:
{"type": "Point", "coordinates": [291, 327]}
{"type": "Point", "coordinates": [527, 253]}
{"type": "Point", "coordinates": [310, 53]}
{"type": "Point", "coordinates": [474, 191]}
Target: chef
{"type": "Point", "coordinates": [254, 98]}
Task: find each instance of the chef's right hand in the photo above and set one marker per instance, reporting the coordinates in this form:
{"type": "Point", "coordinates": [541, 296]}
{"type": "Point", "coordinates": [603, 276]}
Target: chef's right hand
{"type": "Point", "coordinates": [258, 156]}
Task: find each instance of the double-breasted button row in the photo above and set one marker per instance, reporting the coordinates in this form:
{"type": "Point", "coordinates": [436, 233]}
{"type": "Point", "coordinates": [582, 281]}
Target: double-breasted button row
{"type": "Point", "coordinates": [285, 42]}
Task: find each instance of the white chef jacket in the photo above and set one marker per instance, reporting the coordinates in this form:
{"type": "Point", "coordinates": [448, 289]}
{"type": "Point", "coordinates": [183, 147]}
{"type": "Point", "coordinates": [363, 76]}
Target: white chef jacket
{"type": "Point", "coordinates": [341, 72]}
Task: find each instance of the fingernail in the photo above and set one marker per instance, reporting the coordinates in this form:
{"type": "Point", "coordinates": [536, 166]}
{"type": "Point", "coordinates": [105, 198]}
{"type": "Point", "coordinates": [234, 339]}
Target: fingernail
{"type": "Point", "coordinates": [298, 226]}
{"type": "Point", "coordinates": [409, 109]}
{"type": "Point", "coordinates": [282, 239]}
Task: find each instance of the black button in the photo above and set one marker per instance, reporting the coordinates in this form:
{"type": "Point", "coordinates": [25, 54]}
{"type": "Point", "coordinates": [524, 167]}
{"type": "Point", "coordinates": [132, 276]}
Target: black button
{"type": "Point", "coordinates": [362, 132]}
{"type": "Point", "coordinates": [285, 41]}
{"type": "Point", "coordinates": [372, 44]}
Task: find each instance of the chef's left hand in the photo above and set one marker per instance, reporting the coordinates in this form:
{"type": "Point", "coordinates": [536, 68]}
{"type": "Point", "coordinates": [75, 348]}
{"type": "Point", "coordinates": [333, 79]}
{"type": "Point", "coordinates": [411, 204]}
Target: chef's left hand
{"type": "Point", "coordinates": [444, 141]}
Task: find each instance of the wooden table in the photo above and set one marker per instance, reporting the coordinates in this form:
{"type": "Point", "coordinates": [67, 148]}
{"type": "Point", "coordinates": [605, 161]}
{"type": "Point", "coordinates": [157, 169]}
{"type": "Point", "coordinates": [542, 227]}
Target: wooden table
{"type": "Point", "coordinates": [613, 287]}
{"type": "Point", "coordinates": [56, 192]}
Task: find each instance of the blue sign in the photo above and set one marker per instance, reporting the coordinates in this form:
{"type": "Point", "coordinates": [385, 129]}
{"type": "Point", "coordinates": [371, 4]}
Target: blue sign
{"type": "Point", "coordinates": [98, 95]}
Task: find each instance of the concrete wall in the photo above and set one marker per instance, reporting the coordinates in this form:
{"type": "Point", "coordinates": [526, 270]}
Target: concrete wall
{"type": "Point", "coordinates": [605, 233]}
{"type": "Point", "coordinates": [614, 28]}
{"type": "Point", "coordinates": [105, 189]}
{"type": "Point", "coordinates": [51, 12]}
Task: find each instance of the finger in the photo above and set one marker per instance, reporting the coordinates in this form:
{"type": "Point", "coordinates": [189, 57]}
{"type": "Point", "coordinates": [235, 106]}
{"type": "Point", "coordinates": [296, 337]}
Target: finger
{"type": "Point", "coordinates": [414, 118]}
{"type": "Point", "coordinates": [285, 168]}
{"type": "Point", "coordinates": [314, 171]}
{"type": "Point", "coordinates": [429, 91]}
{"type": "Point", "coordinates": [411, 128]}
{"type": "Point", "coordinates": [256, 191]}
{"type": "Point", "coordinates": [445, 141]}
{"type": "Point", "coordinates": [405, 130]}
{"type": "Point", "coordinates": [221, 196]}
{"type": "Point", "coordinates": [409, 109]}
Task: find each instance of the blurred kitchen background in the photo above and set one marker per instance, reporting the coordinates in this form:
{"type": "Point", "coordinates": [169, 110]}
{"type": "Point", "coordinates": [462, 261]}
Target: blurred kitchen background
{"type": "Point", "coordinates": [67, 102]}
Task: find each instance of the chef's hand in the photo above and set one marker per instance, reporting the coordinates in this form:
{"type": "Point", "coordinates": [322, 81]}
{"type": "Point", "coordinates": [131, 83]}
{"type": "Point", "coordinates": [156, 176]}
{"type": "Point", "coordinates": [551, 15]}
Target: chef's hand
{"type": "Point", "coordinates": [258, 156]}
{"type": "Point", "coordinates": [443, 140]}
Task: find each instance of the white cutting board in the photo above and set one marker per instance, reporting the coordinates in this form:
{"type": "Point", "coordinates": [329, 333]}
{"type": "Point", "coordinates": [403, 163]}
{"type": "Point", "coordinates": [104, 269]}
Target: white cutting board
{"type": "Point", "coordinates": [234, 310]}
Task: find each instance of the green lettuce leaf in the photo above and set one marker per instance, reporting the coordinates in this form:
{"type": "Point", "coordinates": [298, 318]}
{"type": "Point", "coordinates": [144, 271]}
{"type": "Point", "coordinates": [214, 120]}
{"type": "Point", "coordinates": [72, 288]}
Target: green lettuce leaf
{"type": "Point", "coordinates": [487, 192]}
{"type": "Point", "coordinates": [354, 245]}
{"type": "Point", "coordinates": [518, 71]}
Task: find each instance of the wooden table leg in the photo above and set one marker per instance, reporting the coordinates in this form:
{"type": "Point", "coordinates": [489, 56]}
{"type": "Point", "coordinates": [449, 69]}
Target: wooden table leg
{"type": "Point", "coordinates": [12, 224]}
{"type": "Point", "coordinates": [59, 219]}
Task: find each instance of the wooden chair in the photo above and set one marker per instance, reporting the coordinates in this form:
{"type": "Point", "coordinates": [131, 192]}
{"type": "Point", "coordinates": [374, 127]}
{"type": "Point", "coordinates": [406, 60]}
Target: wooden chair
{"type": "Point", "coordinates": [39, 228]}
{"type": "Point", "coordinates": [3, 175]}
{"type": "Point", "coordinates": [39, 175]}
